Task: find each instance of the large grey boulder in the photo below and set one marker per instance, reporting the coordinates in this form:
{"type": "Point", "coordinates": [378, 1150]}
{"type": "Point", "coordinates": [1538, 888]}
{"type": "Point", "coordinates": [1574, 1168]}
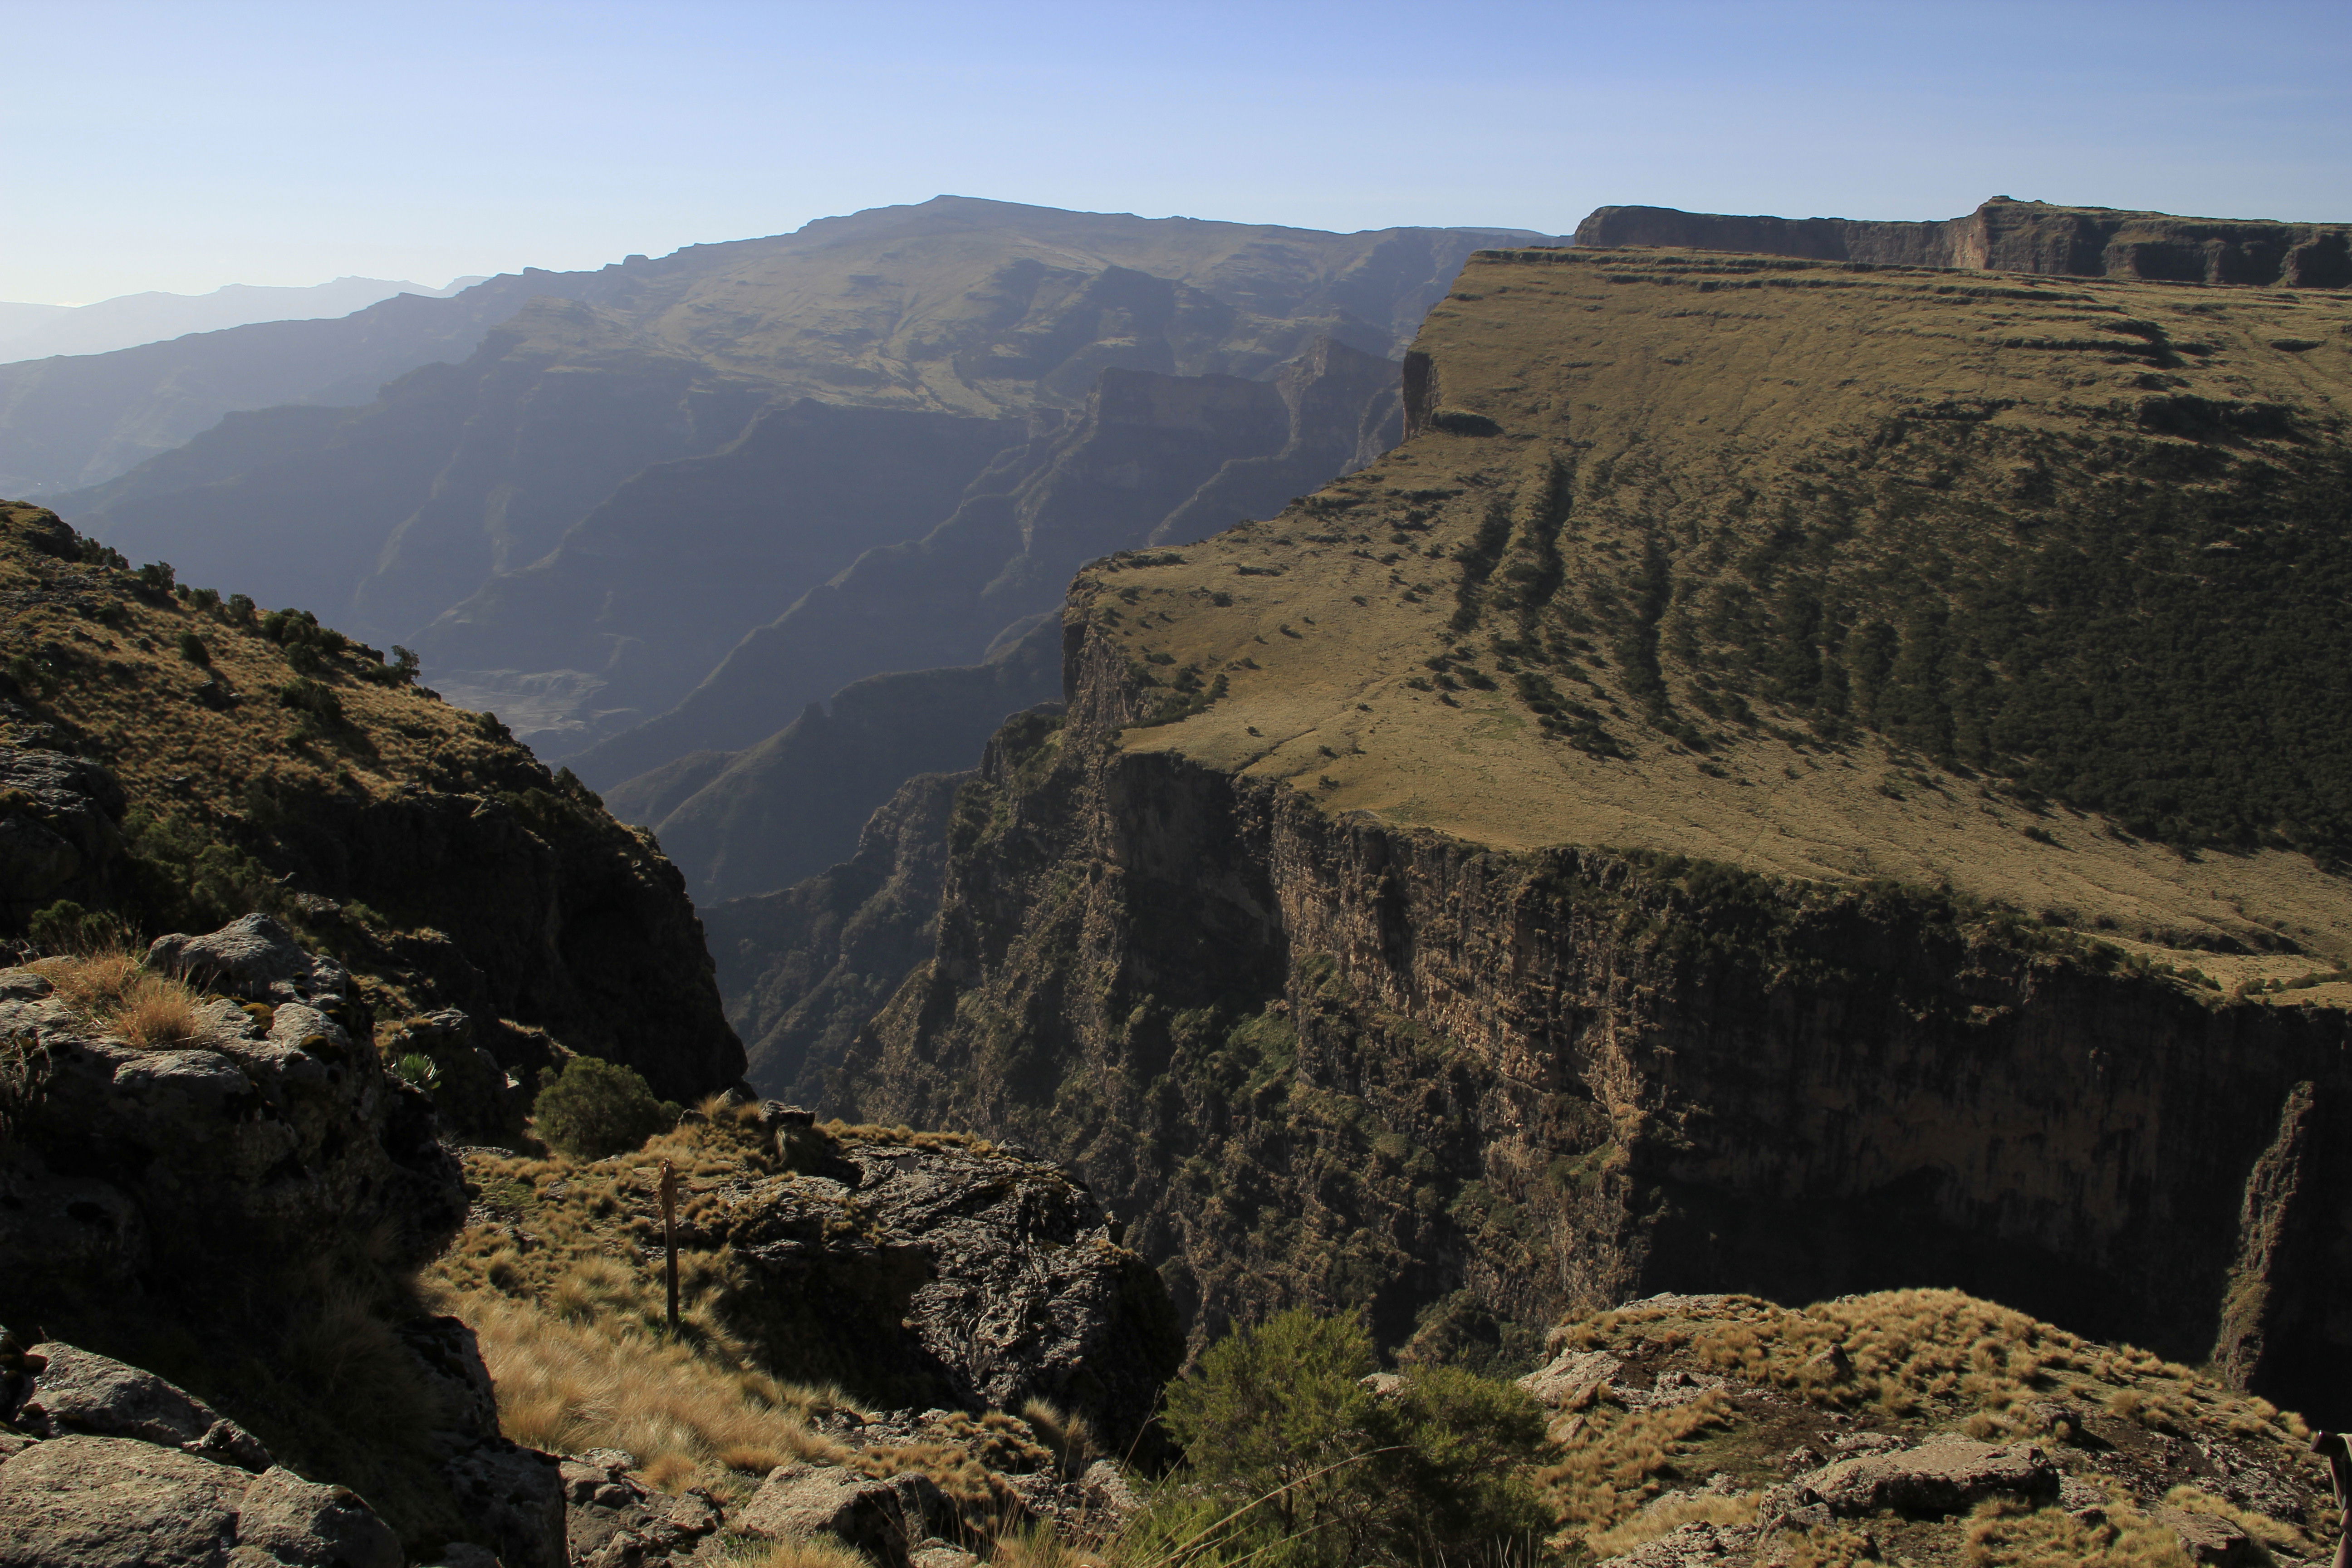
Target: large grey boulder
{"type": "Point", "coordinates": [115, 1502]}
{"type": "Point", "coordinates": [79, 1391]}
{"type": "Point", "coordinates": [255, 958]}
{"type": "Point", "coordinates": [1944, 1474]}
{"type": "Point", "coordinates": [885, 1518]}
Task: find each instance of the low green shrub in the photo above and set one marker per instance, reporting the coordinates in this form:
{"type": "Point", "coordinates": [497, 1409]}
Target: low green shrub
{"type": "Point", "coordinates": [1292, 1459]}
{"type": "Point", "coordinates": [594, 1107]}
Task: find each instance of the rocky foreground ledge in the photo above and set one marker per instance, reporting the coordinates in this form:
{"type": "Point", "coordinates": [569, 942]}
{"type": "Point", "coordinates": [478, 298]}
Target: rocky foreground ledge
{"type": "Point", "coordinates": [193, 1138]}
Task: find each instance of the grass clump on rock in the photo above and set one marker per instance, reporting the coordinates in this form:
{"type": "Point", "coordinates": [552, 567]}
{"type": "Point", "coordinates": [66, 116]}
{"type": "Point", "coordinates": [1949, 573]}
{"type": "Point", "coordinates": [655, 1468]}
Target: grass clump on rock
{"type": "Point", "coordinates": [593, 1109]}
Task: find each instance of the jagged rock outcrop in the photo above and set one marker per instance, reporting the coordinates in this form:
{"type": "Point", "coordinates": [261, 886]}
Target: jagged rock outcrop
{"type": "Point", "coordinates": [255, 1140]}
{"type": "Point", "coordinates": [1511, 881]}
{"type": "Point", "coordinates": [2006, 236]}
{"type": "Point", "coordinates": [1947, 1431]}
{"type": "Point", "coordinates": [910, 1268]}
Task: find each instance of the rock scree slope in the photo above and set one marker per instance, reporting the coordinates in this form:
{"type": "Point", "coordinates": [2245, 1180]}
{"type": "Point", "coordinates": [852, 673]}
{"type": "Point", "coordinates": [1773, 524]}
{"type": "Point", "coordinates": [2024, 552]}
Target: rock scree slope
{"type": "Point", "coordinates": [1797, 776]}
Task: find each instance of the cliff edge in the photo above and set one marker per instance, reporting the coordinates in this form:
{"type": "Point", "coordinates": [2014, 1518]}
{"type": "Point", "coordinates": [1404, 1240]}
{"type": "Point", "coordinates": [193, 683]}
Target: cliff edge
{"type": "Point", "coordinates": [1792, 779]}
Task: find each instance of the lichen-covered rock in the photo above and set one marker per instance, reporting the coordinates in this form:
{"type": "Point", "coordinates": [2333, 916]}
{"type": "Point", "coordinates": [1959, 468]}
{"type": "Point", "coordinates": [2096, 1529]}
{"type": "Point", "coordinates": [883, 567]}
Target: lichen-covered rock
{"type": "Point", "coordinates": [284, 1518]}
{"type": "Point", "coordinates": [113, 1502]}
{"type": "Point", "coordinates": [253, 1146]}
{"type": "Point", "coordinates": [79, 1391]}
{"type": "Point", "coordinates": [885, 1518]}
{"type": "Point", "coordinates": [1945, 1475]}
{"type": "Point", "coordinates": [86, 1501]}
{"type": "Point", "coordinates": [255, 958]}
{"type": "Point", "coordinates": [2207, 1538]}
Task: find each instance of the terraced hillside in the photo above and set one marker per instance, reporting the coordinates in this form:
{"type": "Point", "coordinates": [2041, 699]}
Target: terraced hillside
{"type": "Point", "coordinates": [1796, 776]}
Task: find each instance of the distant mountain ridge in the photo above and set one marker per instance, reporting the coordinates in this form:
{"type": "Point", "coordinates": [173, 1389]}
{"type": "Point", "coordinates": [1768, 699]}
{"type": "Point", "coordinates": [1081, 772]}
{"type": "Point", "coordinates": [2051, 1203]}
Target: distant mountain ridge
{"type": "Point", "coordinates": [38, 331]}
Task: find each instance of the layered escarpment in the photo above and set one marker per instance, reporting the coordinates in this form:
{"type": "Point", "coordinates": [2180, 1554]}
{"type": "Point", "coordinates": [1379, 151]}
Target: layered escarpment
{"type": "Point", "coordinates": [1792, 779]}
{"type": "Point", "coordinates": [2006, 236]}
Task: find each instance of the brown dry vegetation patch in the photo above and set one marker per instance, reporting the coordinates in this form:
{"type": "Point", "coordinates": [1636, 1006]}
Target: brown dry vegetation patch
{"type": "Point", "coordinates": [559, 1271]}
{"type": "Point", "coordinates": [116, 993]}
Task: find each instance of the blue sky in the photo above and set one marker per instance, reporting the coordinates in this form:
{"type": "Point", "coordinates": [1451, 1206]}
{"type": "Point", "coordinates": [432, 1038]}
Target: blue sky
{"type": "Point", "coordinates": [190, 144]}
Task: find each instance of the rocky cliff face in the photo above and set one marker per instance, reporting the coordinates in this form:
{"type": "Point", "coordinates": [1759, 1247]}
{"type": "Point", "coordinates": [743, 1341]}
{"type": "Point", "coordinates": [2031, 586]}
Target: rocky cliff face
{"type": "Point", "coordinates": [1422, 907]}
{"type": "Point", "coordinates": [1320, 1057]}
{"type": "Point", "coordinates": [2005, 236]}
{"type": "Point", "coordinates": [804, 968]}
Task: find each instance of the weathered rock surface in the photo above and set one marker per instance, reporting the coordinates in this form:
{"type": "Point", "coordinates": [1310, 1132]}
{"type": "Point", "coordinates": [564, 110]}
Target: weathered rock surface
{"type": "Point", "coordinates": [80, 1391]}
{"type": "Point", "coordinates": [512, 1497]}
{"type": "Point", "coordinates": [115, 1502]}
{"type": "Point", "coordinates": [255, 958]}
{"type": "Point", "coordinates": [59, 833]}
{"type": "Point", "coordinates": [1695, 1543]}
{"type": "Point", "coordinates": [260, 1146]}
{"type": "Point", "coordinates": [1945, 1476]}
{"type": "Point", "coordinates": [612, 1519]}
{"type": "Point", "coordinates": [969, 1276]}
{"type": "Point", "coordinates": [285, 1518]}
{"type": "Point", "coordinates": [2017, 236]}
{"type": "Point", "coordinates": [885, 1518]}
{"type": "Point", "coordinates": [2208, 1538]}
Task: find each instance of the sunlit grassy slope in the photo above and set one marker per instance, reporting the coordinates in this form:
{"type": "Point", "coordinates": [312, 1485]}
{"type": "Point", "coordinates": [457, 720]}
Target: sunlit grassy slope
{"type": "Point", "coordinates": [2036, 587]}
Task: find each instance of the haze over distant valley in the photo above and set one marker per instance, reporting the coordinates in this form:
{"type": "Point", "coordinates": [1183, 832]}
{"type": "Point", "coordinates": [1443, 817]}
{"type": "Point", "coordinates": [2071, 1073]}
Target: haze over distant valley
{"type": "Point", "coordinates": [39, 332]}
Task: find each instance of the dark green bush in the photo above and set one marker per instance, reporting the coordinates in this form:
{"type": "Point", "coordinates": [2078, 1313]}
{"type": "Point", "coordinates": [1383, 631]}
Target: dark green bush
{"type": "Point", "coordinates": [1293, 1460]}
{"type": "Point", "coordinates": [596, 1108]}
{"type": "Point", "coordinates": [193, 649]}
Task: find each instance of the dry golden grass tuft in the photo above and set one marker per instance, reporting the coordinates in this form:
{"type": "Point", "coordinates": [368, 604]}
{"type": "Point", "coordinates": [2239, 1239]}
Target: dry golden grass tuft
{"type": "Point", "coordinates": [1611, 1458]}
{"type": "Point", "coordinates": [109, 987]}
{"type": "Point", "coordinates": [1669, 1514]}
{"type": "Point", "coordinates": [817, 1552]}
{"type": "Point", "coordinates": [573, 1329]}
{"type": "Point", "coordinates": [2010, 1535]}
{"type": "Point", "coordinates": [587, 1379]}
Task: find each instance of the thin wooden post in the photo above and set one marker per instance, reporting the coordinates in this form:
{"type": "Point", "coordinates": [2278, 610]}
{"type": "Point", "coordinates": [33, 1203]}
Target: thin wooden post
{"type": "Point", "coordinates": [669, 1236]}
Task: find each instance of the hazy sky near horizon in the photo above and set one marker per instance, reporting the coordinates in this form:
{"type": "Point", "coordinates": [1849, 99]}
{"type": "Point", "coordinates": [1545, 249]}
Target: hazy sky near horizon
{"type": "Point", "coordinates": [186, 145]}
